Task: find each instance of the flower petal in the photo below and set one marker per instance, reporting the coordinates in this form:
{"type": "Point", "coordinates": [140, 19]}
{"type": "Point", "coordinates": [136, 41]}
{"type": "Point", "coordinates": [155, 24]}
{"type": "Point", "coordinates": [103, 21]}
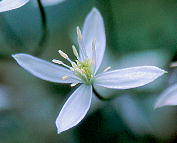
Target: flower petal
{"type": "Point", "coordinates": [93, 29]}
{"type": "Point", "coordinates": [51, 2]}
{"type": "Point", "coordinates": [45, 70]}
{"type": "Point", "coordinates": [6, 5]}
{"type": "Point", "coordinates": [168, 97]}
{"type": "Point", "coordinates": [129, 77]}
{"type": "Point", "coordinates": [75, 108]}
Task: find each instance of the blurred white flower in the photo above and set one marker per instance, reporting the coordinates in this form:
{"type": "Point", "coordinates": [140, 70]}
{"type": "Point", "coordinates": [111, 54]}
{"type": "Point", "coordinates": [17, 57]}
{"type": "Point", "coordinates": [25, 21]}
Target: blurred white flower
{"type": "Point", "coordinates": [168, 97]}
{"type": "Point", "coordinates": [133, 114]}
{"type": "Point", "coordinates": [6, 5]}
{"type": "Point", "coordinates": [4, 98]}
{"type": "Point", "coordinates": [83, 71]}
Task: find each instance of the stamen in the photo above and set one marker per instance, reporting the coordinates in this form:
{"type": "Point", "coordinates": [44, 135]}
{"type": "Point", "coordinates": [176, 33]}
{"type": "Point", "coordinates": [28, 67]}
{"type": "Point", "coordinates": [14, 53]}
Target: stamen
{"type": "Point", "coordinates": [63, 54]}
{"type": "Point", "coordinates": [75, 51]}
{"type": "Point", "coordinates": [60, 63]}
{"type": "Point", "coordinates": [57, 62]}
{"type": "Point", "coordinates": [73, 84]}
{"type": "Point", "coordinates": [65, 77]}
{"type": "Point", "coordinates": [106, 69]}
{"type": "Point", "coordinates": [79, 34]}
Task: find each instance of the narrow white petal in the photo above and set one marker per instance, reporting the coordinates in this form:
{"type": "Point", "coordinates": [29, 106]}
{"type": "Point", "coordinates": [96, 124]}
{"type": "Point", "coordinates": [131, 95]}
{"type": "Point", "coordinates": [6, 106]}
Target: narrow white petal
{"type": "Point", "coordinates": [129, 77]}
{"type": "Point", "coordinates": [168, 97]}
{"type": "Point", "coordinates": [75, 108]}
{"type": "Point", "coordinates": [93, 29]}
{"type": "Point", "coordinates": [45, 70]}
{"type": "Point", "coordinates": [6, 5]}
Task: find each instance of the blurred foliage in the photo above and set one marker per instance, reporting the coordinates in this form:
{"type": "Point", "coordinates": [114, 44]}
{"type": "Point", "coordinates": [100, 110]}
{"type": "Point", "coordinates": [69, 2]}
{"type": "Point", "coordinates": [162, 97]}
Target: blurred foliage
{"type": "Point", "coordinates": [133, 28]}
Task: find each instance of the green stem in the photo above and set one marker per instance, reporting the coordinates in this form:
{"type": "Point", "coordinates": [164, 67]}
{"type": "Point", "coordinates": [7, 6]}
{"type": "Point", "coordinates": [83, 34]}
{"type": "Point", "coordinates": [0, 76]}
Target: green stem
{"type": "Point", "coordinates": [41, 45]}
{"type": "Point", "coordinates": [101, 97]}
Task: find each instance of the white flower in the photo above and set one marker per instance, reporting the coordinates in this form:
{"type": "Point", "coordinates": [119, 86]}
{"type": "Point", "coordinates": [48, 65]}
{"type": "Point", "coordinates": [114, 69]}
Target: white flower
{"type": "Point", "coordinates": [6, 5]}
{"type": "Point", "coordinates": [83, 71]}
{"type": "Point", "coordinates": [168, 97]}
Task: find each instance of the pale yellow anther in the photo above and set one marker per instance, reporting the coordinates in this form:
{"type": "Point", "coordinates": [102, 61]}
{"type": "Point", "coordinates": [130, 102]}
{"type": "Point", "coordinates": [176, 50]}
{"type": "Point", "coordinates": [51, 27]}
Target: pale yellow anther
{"type": "Point", "coordinates": [79, 34]}
{"type": "Point", "coordinates": [75, 51]}
{"type": "Point", "coordinates": [57, 61]}
{"type": "Point", "coordinates": [65, 77]}
{"type": "Point", "coordinates": [106, 69]}
{"type": "Point", "coordinates": [63, 54]}
{"type": "Point", "coordinates": [174, 64]}
{"type": "Point", "coordinates": [73, 84]}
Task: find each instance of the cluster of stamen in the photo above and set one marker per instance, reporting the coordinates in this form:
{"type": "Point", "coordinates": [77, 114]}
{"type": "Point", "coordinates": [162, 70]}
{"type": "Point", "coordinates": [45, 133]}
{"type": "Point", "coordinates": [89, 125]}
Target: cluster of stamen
{"type": "Point", "coordinates": [83, 69]}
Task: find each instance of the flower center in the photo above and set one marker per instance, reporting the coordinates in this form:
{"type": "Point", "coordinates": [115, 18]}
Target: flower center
{"type": "Point", "coordinates": [81, 68]}
{"type": "Point", "coordinates": [84, 71]}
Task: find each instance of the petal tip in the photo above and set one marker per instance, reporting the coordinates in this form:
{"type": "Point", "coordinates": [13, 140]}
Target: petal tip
{"type": "Point", "coordinates": [14, 56]}
{"type": "Point", "coordinates": [59, 131]}
{"type": "Point", "coordinates": [17, 56]}
{"type": "Point", "coordinates": [95, 11]}
{"type": "Point", "coordinates": [59, 128]}
{"type": "Point", "coordinates": [161, 71]}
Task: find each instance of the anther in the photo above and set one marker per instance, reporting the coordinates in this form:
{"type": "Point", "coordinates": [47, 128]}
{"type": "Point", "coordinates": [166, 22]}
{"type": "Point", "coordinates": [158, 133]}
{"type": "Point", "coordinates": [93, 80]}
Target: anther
{"type": "Point", "coordinates": [57, 62]}
{"type": "Point", "coordinates": [75, 51]}
{"type": "Point", "coordinates": [79, 34]}
{"type": "Point", "coordinates": [60, 63]}
{"type": "Point", "coordinates": [63, 54]}
{"type": "Point", "coordinates": [173, 64]}
{"type": "Point", "coordinates": [73, 84]}
{"type": "Point", "coordinates": [106, 69]}
{"type": "Point", "coordinates": [65, 77]}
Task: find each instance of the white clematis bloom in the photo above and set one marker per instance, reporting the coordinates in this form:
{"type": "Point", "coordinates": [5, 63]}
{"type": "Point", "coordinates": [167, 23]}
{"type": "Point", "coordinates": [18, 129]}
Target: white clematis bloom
{"type": "Point", "coordinates": [83, 71]}
{"type": "Point", "coordinates": [167, 98]}
{"type": "Point", "coordinates": [6, 5]}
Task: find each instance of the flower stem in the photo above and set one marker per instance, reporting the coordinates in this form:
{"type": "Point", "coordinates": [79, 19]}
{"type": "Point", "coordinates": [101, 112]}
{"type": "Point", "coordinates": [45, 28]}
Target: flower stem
{"type": "Point", "coordinates": [101, 97]}
{"type": "Point", "coordinates": [41, 45]}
